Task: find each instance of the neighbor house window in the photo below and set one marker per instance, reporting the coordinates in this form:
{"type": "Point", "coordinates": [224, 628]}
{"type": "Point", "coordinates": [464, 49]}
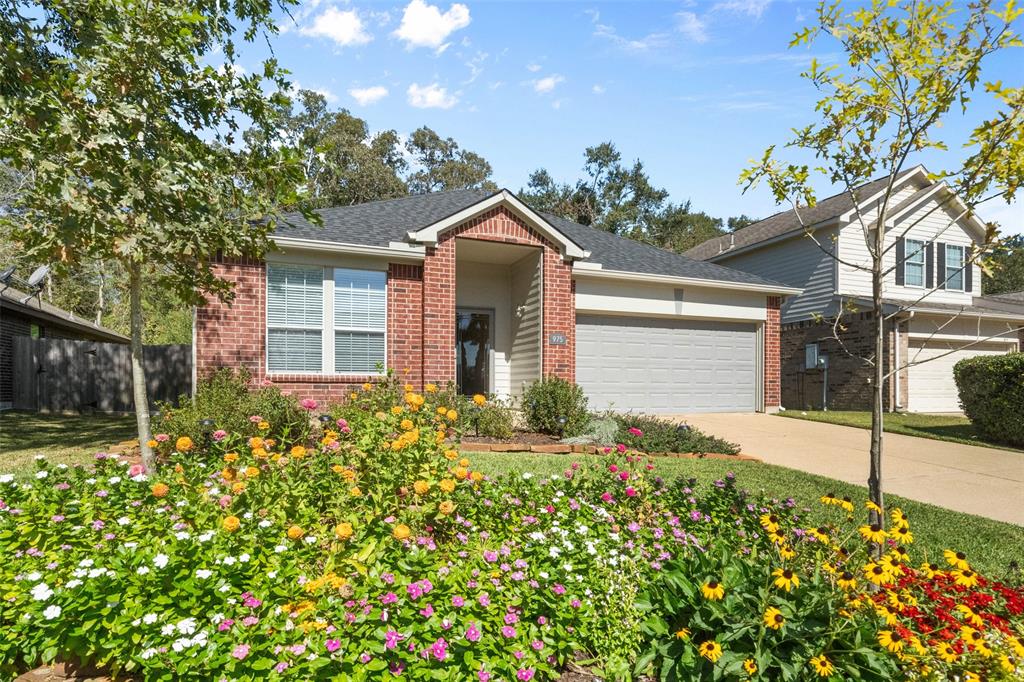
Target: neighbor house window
{"type": "Point", "coordinates": [913, 266]}
{"type": "Point", "coordinates": [295, 318]}
{"type": "Point", "coordinates": [954, 267]}
{"type": "Point", "coordinates": [325, 320]}
{"type": "Point", "coordinates": [360, 309]}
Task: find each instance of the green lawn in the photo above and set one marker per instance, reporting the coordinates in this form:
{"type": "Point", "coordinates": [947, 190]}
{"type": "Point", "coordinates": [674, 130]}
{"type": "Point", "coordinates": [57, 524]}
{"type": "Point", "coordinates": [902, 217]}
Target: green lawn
{"type": "Point", "coordinates": [990, 545]}
{"type": "Point", "coordinates": [67, 439]}
{"type": "Point", "coordinates": [951, 427]}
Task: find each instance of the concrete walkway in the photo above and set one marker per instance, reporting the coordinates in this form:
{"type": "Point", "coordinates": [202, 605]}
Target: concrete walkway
{"type": "Point", "coordinates": [967, 478]}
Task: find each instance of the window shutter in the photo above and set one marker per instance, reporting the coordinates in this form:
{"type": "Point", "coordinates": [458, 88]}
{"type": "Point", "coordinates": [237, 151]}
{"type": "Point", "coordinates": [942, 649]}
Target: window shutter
{"type": "Point", "coordinates": [968, 274]}
{"type": "Point", "coordinates": [940, 270]}
{"type": "Point", "coordinates": [929, 257]}
{"type": "Point", "coordinates": [901, 256]}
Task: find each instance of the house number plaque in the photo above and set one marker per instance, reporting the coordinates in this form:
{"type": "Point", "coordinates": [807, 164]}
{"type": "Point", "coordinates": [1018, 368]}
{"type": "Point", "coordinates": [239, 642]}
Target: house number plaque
{"type": "Point", "coordinates": [557, 339]}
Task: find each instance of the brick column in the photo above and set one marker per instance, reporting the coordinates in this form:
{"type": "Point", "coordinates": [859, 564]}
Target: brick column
{"type": "Point", "coordinates": [439, 313]}
{"type": "Point", "coordinates": [772, 348]}
{"type": "Point", "coordinates": [231, 334]}
{"type": "Point", "coordinates": [405, 322]}
{"type": "Point", "coordinates": [559, 316]}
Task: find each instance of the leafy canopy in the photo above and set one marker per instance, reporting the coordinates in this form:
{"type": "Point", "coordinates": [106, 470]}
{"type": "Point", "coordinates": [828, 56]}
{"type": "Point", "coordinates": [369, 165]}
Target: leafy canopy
{"type": "Point", "coordinates": [130, 130]}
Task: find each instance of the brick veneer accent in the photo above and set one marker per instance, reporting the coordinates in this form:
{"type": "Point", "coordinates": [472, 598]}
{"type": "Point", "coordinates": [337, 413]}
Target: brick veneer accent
{"type": "Point", "coordinates": [772, 345]}
{"type": "Point", "coordinates": [849, 377]}
{"type": "Point", "coordinates": [421, 315]}
{"type": "Point", "coordinates": [498, 225]}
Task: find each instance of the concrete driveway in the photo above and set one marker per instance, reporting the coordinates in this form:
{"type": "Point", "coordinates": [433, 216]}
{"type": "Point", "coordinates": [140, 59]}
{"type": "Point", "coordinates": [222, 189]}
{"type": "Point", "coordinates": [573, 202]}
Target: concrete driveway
{"type": "Point", "coordinates": [967, 478]}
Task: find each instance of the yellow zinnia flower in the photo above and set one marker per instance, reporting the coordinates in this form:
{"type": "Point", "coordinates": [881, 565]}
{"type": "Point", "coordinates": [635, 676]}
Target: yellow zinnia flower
{"type": "Point", "coordinates": [447, 485]}
{"type": "Point", "coordinates": [295, 532]}
{"type": "Point", "coordinates": [712, 590]}
{"type": "Point", "coordinates": [421, 487]}
{"type": "Point", "coordinates": [479, 399]}
{"type": "Point", "coordinates": [343, 531]}
{"type": "Point", "coordinates": [401, 532]}
{"type": "Point", "coordinates": [406, 425]}
{"type": "Point", "coordinates": [183, 444]}
{"type": "Point", "coordinates": [159, 490]}
{"type": "Point", "coordinates": [446, 507]}
{"type": "Point", "coordinates": [231, 524]}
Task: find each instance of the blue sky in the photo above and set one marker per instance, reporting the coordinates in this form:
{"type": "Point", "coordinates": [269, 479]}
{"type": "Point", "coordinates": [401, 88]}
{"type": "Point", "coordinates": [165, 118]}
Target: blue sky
{"type": "Point", "coordinates": [693, 89]}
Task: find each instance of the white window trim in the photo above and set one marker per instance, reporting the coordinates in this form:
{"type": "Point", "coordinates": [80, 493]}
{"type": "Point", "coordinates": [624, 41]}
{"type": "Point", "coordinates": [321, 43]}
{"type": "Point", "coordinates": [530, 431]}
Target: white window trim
{"type": "Point", "coordinates": [327, 326]}
{"type": "Point", "coordinates": [923, 263]}
{"type": "Point", "coordinates": [962, 269]}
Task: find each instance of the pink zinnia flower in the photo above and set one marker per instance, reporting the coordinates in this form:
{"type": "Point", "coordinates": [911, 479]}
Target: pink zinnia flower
{"type": "Point", "coordinates": [162, 438]}
{"type": "Point", "coordinates": [630, 492]}
{"type": "Point", "coordinates": [308, 404]}
{"type": "Point", "coordinates": [255, 419]}
{"type": "Point", "coordinates": [219, 435]}
{"type": "Point", "coordinates": [613, 468]}
{"type": "Point", "coordinates": [623, 475]}
{"type": "Point", "coordinates": [621, 448]}
{"type": "Point", "coordinates": [606, 497]}
{"type": "Point", "coordinates": [241, 651]}
{"type": "Point", "coordinates": [136, 470]}
{"type": "Point", "coordinates": [635, 431]}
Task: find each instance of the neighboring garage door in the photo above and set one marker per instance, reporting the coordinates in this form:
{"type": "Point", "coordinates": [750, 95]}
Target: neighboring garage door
{"type": "Point", "coordinates": [666, 366]}
{"type": "Point", "coordinates": [931, 387]}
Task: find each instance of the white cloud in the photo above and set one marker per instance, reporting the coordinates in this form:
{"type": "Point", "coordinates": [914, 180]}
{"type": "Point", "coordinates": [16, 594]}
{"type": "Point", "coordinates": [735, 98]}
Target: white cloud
{"type": "Point", "coordinates": [752, 8]}
{"type": "Point", "coordinates": [369, 95]}
{"type": "Point", "coordinates": [425, 25]}
{"type": "Point", "coordinates": [692, 26]}
{"type": "Point", "coordinates": [475, 64]}
{"type": "Point", "coordinates": [533, 67]}
{"type": "Point", "coordinates": [649, 42]}
{"type": "Point", "coordinates": [327, 94]}
{"type": "Point", "coordinates": [547, 83]}
{"type": "Point", "coordinates": [343, 27]}
{"type": "Point", "coordinates": [431, 96]}
{"type": "Point", "coordinates": [598, 89]}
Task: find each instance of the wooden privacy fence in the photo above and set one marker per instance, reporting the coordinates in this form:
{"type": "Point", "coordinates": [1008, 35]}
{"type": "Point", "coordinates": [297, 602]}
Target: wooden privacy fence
{"type": "Point", "coordinates": [63, 375]}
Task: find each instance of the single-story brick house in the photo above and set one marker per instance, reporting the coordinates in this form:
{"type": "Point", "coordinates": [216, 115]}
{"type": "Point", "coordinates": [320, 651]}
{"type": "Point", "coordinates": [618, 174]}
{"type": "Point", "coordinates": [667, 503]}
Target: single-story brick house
{"type": "Point", "coordinates": [477, 288]}
{"type": "Point", "coordinates": [24, 315]}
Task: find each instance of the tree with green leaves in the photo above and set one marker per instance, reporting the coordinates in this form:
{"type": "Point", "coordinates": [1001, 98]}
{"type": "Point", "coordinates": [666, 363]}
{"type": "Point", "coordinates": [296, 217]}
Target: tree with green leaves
{"type": "Point", "coordinates": [129, 129]}
{"type": "Point", "coordinates": [1006, 267]}
{"type": "Point", "coordinates": [440, 164]}
{"type": "Point", "coordinates": [343, 163]}
{"type": "Point", "coordinates": [908, 65]}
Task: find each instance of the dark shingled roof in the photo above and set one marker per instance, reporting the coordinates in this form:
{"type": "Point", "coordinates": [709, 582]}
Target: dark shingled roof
{"type": "Point", "coordinates": [787, 221]}
{"type": "Point", "coordinates": [34, 306]}
{"type": "Point", "coordinates": [381, 222]}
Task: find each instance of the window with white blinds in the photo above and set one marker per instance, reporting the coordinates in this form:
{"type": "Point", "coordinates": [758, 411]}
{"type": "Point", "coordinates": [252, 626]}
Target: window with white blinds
{"type": "Point", "coordinates": [295, 314]}
{"type": "Point", "coordinates": [360, 320]}
{"type": "Point", "coordinates": [325, 320]}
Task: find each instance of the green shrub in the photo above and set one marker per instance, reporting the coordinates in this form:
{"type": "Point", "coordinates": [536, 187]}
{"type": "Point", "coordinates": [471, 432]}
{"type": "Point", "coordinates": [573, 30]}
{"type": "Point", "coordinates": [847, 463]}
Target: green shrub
{"type": "Point", "coordinates": [660, 435]}
{"type": "Point", "coordinates": [228, 399]}
{"type": "Point", "coordinates": [494, 419]}
{"type": "Point", "coordinates": [991, 392]}
{"type": "Point", "coordinates": [549, 401]}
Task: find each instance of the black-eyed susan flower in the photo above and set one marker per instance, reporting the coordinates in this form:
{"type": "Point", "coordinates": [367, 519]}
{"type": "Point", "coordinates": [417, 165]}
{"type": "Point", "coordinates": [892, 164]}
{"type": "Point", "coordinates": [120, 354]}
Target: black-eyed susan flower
{"type": "Point", "coordinates": [931, 571]}
{"type": "Point", "coordinates": [1007, 662]}
{"type": "Point", "coordinates": [965, 577]}
{"type": "Point", "coordinates": [899, 518]}
{"type": "Point", "coordinates": [846, 581]}
{"type": "Point", "coordinates": [829, 498]}
{"type": "Point", "coordinates": [902, 535]}
{"type": "Point", "coordinates": [947, 653]}
{"type": "Point", "coordinates": [683, 633]}
{"type": "Point", "coordinates": [871, 506]}
{"type": "Point", "coordinates": [786, 552]}
{"type": "Point", "coordinates": [773, 618]}
{"type": "Point", "coordinates": [785, 579]}
{"type": "Point", "coordinates": [821, 665]}
{"type": "Point", "coordinates": [770, 522]}
{"type": "Point", "coordinates": [820, 534]}
{"type": "Point", "coordinates": [847, 504]}
{"type": "Point", "coordinates": [750, 667]}
{"type": "Point", "coordinates": [891, 641]}
{"type": "Point", "coordinates": [877, 573]}
{"type": "Point", "coordinates": [873, 533]}
{"type": "Point", "coordinates": [970, 616]}
{"type": "Point", "coordinates": [956, 559]}
{"type": "Point", "coordinates": [886, 614]}
{"type": "Point", "coordinates": [710, 650]}
{"type": "Point", "coordinates": [712, 590]}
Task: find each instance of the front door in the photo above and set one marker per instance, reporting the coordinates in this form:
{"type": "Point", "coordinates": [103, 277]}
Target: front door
{"type": "Point", "coordinates": [474, 338]}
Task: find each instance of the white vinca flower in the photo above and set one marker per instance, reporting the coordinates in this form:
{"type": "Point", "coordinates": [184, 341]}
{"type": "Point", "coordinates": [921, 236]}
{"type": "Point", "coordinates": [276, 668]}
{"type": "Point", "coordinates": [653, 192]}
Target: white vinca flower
{"type": "Point", "coordinates": [167, 630]}
{"type": "Point", "coordinates": [229, 561]}
{"type": "Point", "coordinates": [186, 626]}
{"type": "Point", "coordinates": [42, 474]}
{"type": "Point", "coordinates": [160, 560]}
{"type": "Point", "coordinates": [41, 592]}
{"type": "Point", "coordinates": [114, 480]}
{"type": "Point", "coordinates": [143, 570]}
{"type": "Point", "coordinates": [6, 478]}
{"type": "Point", "coordinates": [39, 458]}
{"type": "Point", "coordinates": [33, 576]}
{"type": "Point", "coordinates": [72, 584]}
{"type": "Point", "coordinates": [52, 611]}
{"type": "Point", "coordinates": [203, 573]}
{"type": "Point", "coordinates": [149, 618]}
{"type": "Point", "coordinates": [244, 557]}
{"type": "Point", "coordinates": [265, 523]}
{"type": "Point", "coordinates": [86, 563]}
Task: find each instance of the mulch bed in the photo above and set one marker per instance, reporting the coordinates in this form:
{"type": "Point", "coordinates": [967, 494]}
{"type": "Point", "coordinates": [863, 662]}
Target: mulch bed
{"type": "Point", "coordinates": [528, 437]}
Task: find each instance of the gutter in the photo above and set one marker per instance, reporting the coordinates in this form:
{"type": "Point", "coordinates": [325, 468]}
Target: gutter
{"type": "Point", "coordinates": [626, 276]}
{"type": "Point", "coordinates": [393, 250]}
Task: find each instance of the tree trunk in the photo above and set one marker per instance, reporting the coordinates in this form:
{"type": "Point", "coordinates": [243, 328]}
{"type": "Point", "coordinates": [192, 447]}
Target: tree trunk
{"type": "Point", "coordinates": [877, 392]}
{"type": "Point", "coordinates": [100, 302]}
{"type": "Point", "coordinates": [138, 369]}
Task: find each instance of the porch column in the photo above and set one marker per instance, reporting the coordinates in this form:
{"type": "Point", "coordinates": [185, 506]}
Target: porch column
{"type": "Point", "coordinates": [439, 312]}
{"type": "Point", "coordinates": [559, 317]}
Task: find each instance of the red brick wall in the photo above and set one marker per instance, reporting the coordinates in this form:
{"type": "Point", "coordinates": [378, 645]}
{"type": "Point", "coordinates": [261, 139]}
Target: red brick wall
{"type": "Point", "coordinates": [405, 322]}
{"type": "Point", "coordinates": [498, 225]}
{"type": "Point", "coordinates": [772, 366]}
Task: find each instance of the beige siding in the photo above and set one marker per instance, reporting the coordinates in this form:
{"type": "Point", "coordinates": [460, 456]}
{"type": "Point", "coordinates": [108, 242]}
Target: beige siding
{"type": "Point", "coordinates": [928, 223]}
{"type": "Point", "coordinates": [526, 328]}
{"type": "Point", "coordinates": [798, 262]}
{"type": "Point", "coordinates": [597, 295]}
{"type": "Point", "coordinates": [486, 285]}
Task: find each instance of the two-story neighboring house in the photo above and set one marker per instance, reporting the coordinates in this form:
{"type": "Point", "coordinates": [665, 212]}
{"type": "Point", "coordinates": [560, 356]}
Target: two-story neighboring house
{"type": "Point", "coordinates": [935, 312]}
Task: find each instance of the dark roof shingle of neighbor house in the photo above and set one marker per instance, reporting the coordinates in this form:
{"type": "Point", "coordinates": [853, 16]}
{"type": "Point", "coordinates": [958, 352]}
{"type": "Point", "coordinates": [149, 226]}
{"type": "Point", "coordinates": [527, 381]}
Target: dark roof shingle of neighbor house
{"type": "Point", "coordinates": [34, 306]}
{"type": "Point", "coordinates": [787, 221]}
{"type": "Point", "coordinates": [1009, 297]}
{"type": "Point", "coordinates": [379, 223]}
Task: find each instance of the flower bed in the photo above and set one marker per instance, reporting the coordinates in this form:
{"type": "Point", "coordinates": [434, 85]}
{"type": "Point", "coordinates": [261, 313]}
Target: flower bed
{"type": "Point", "coordinates": [375, 551]}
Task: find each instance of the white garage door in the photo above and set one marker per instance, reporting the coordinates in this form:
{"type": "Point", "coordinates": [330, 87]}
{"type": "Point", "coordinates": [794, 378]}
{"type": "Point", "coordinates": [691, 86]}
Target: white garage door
{"type": "Point", "coordinates": [931, 387]}
{"type": "Point", "coordinates": [666, 366]}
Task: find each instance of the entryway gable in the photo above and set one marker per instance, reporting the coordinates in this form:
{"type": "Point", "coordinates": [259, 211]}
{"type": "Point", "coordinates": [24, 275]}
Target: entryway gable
{"type": "Point", "coordinates": [508, 202]}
